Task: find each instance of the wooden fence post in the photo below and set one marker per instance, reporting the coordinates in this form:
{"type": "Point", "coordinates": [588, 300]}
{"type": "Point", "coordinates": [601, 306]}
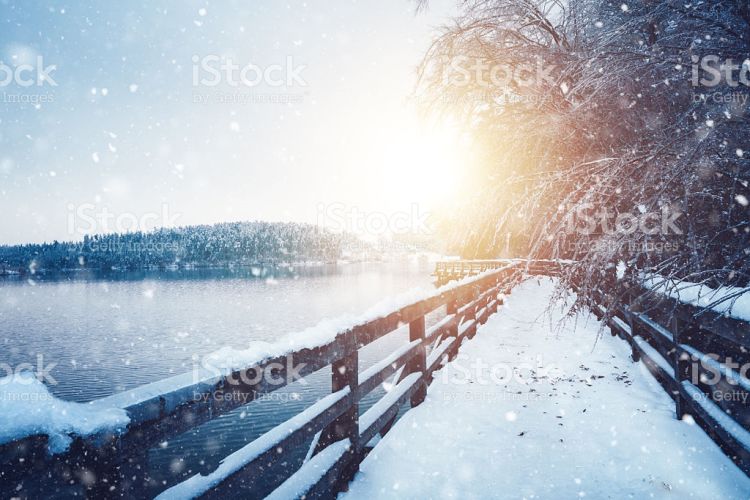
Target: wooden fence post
{"type": "Point", "coordinates": [631, 307]}
{"type": "Point", "coordinates": [452, 308]}
{"type": "Point", "coordinates": [681, 331]}
{"type": "Point", "coordinates": [471, 313]}
{"type": "Point", "coordinates": [344, 373]}
{"type": "Point", "coordinates": [493, 297]}
{"type": "Point", "coordinates": [418, 363]}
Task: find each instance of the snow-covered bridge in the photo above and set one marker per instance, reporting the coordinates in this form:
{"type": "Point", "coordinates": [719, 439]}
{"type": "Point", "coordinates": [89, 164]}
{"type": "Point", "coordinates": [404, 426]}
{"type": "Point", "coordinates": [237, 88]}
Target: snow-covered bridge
{"type": "Point", "coordinates": [506, 405]}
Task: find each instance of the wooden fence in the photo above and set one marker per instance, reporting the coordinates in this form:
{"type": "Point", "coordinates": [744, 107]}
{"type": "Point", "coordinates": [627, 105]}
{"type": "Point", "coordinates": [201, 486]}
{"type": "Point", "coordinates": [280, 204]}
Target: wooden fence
{"type": "Point", "coordinates": [339, 433]}
{"type": "Point", "coordinates": [449, 270]}
{"type": "Point", "coordinates": [700, 357]}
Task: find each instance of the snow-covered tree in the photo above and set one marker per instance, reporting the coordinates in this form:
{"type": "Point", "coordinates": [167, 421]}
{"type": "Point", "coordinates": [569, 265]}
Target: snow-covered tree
{"type": "Point", "coordinates": [614, 132]}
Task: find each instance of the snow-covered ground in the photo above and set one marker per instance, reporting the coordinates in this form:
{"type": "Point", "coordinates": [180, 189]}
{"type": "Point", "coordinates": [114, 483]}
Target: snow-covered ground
{"type": "Point", "coordinates": [578, 419]}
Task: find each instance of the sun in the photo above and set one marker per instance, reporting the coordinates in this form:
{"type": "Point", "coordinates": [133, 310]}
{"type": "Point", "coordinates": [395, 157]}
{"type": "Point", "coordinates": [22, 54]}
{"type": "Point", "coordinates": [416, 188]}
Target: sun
{"type": "Point", "coordinates": [424, 162]}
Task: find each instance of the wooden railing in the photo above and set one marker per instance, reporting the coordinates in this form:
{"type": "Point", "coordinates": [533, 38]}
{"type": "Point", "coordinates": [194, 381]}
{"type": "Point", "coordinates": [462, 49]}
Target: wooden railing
{"type": "Point", "coordinates": [450, 270]}
{"type": "Point", "coordinates": [446, 271]}
{"type": "Point", "coordinates": [700, 358]}
{"type": "Point", "coordinates": [338, 433]}
{"type": "Point", "coordinates": [695, 355]}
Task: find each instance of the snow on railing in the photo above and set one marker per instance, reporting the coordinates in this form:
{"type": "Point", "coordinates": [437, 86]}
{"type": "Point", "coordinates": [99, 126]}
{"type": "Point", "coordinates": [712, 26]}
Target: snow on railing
{"type": "Point", "coordinates": [727, 300]}
{"type": "Point", "coordinates": [162, 410]}
{"type": "Point", "coordinates": [27, 408]}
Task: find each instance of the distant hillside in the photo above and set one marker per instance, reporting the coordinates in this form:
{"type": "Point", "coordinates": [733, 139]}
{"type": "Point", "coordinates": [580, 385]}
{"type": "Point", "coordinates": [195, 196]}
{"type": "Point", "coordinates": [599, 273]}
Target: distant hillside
{"type": "Point", "coordinates": [224, 244]}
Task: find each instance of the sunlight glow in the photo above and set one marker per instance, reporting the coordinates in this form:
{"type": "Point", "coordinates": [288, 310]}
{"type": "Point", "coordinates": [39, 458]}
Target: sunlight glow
{"type": "Point", "coordinates": [424, 163]}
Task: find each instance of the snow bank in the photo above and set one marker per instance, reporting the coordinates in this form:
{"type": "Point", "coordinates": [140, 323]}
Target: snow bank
{"type": "Point", "coordinates": [729, 300]}
{"type": "Point", "coordinates": [27, 408]}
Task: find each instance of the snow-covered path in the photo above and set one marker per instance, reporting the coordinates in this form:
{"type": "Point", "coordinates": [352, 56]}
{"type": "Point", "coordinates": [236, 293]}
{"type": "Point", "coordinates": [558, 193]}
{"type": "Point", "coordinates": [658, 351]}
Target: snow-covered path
{"type": "Point", "coordinates": [579, 419]}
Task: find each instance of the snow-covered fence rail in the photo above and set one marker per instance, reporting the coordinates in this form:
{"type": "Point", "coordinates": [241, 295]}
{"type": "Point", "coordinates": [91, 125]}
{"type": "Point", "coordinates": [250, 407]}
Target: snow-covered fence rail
{"type": "Point", "coordinates": [339, 434]}
{"type": "Point", "coordinates": [700, 358]}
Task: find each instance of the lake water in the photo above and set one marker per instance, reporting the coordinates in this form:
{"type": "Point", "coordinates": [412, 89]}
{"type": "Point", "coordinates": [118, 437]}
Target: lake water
{"type": "Point", "coordinates": [106, 334]}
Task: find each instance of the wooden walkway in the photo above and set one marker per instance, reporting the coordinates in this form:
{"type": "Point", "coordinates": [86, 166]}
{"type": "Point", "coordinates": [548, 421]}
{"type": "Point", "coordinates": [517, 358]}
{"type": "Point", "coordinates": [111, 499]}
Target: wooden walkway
{"type": "Point", "coordinates": [532, 409]}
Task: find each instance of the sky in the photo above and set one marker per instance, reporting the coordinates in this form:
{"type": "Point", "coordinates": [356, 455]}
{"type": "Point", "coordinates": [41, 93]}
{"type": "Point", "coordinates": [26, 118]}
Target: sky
{"type": "Point", "coordinates": [115, 116]}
